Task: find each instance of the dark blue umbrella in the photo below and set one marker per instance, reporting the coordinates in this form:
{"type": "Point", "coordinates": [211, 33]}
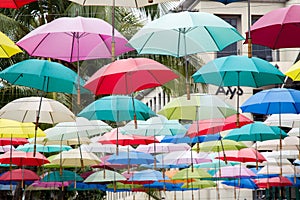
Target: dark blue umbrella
{"type": "Point", "coordinates": [227, 1]}
{"type": "Point", "coordinates": [185, 139]}
{"type": "Point", "coordinates": [84, 186]}
{"type": "Point", "coordinates": [241, 183]}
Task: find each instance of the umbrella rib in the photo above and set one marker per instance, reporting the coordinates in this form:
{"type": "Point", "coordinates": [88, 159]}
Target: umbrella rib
{"type": "Point", "coordinates": [212, 38]}
{"type": "Point", "coordinates": [36, 47]}
{"type": "Point", "coordinates": [146, 42]}
{"type": "Point", "coordinates": [4, 51]}
{"type": "Point", "coordinates": [100, 36]}
{"type": "Point", "coordinates": [73, 41]}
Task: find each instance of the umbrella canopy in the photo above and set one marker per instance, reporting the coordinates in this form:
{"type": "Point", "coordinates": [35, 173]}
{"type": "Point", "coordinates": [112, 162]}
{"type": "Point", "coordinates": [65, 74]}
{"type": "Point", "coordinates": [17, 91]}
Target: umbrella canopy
{"type": "Point", "coordinates": [243, 155]}
{"type": "Point", "coordinates": [293, 71]}
{"type": "Point", "coordinates": [276, 169]}
{"type": "Point", "coordinates": [129, 75]}
{"type": "Point", "coordinates": [132, 4]}
{"type": "Point", "coordinates": [80, 186]}
{"type": "Point", "coordinates": [201, 184]}
{"type": "Point", "coordinates": [288, 143]}
{"type": "Point", "coordinates": [256, 131]}
{"type": "Point", "coordinates": [73, 39]}
{"type": "Point", "coordinates": [200, 106]}
{"type": "Point", "coordinates": [177, 139]}
{"type": "Point", "coordinates": [43, 148]}
{"type": "Point", "coordinates": [239, 71]}
{"type": "Point", "coordinates": [25, 110]}
{"type": "Point", "coordinates": [116, 108]}
{"type": "Point", "coordinates": [104, 176]}
{"type": "Point", "coordinates": [180, 32]}
{"type": "Point", "coordinates": [65, 175]}
{"type": "Point", "coordinates": [114, 137]}
{"type": "Point", "coordinates": [50, 184]}
{"type": "Point", "coordinates": [273, 182]}
{"type": "Point", "coordinates": [273, 101]}
{"type": "Point", "coordinates": [104, 148]}
{"type": "Point", "coordinates": [13, 141]}
{"type": "Point", "coordinates": [43, 75]}
{"type": "Point", "coordinates": [273, 28]}
{"type": "Point", "coordinates": [227, 1]}
{"type": "Point", "coordinates": [15, 3]}
{"type": "Point", "coordinates": [82, 127]}
{"type": "Point", "coordinates": [75, 158]}
{"type": "Point", "coordinates": [12, 129]}
{"type": "Point", "coordinates": [217, 146]}
{"type": "Point", "coordinates": [184, 157]}
{"type": "Point", "coordinates": [7, 46]}
{"type": "Point", "coordinates": [154, 126]}
{"type": "Point", "coordinates": [190, 173]}
{"type": "Point", "coordinates": [211, 126]}
{"type": "Point", "coordinates": [132, 157]}
{"type": "Point", "coordinates": [21, 158]}
{"type": "Point", "coordinates": [107, 165]}
{"type": "Point", "coordinates": [236, 171]}
{"type": "Point", "coordinates": [162, 148]}
{"type": "Point", "coordinates": [19, 175]}
{"type": "Point", "coordinates": [284, 120]}
{"type": "Point", "coordinates": [242, 183]}
{"type": "Point", "coordinates": [215, 164]}
{"type": "Point", "coordinates": [147, 175]}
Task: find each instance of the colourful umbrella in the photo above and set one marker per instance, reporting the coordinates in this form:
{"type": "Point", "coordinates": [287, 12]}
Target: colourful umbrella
{"type": "Point", "coordinates": [132, 157]}
{"type": "Point", "coordinates": [43, 148]}
{"type": "Point", "coordinates": [65, 175]}
{"type": "Point", "coordinates": [273, 182]}
{"type": "Point", "coordinates": [104, 148]}
{"type": "Point", "coordinates": [200, 184]}
{"type": "Point", "coordinates": [200, 106]}
{"type": "Point", "coordinates": [147, 175]}
{"type": "Point", "coordinates": [21, 158]}
{"type": "Point", "coordinates": [293, 71]}
{"type": "Point", "coordinates": [284, 120]}
{"type": "Point", "coordinates": [212, 126]}
{"type": "Point", "coordinates": [15, 3]}
{"type": "Point", "coordinates": [104, 176]}
{"type": "Point", "coordinates": [217, 146]}
{"type": "Point", "coordinates": [256, 131]}
{"type": "Point", "coordinates": [236, 171]}
{"type": "Point", "coordinates": [116, 108]}
{"type": "Point", "coordinates": [243, 155]}
{"type": "Point", "coordinates": [7, 46]}
{"type": "Point", "coordinates": [242, 183]}
{"type": "Point", "coordinates": [188, 173]}
{"type": "Point", "coordinates": [19, 175]}
{"type": "Point", "coordinates": [73, 39]}
{"type": "Point", "coordinates": [129, 75]}
{"type": "Point", "coordinates": [85, 186]}
{"type": "Point", "coordinates": [13, 141]}
{"type": "Point", "coordinates": [162, 148]}
{"type": "Point", "coordinates": [180, 32]}
{"type": "Point", "coordinates": [273, 28]}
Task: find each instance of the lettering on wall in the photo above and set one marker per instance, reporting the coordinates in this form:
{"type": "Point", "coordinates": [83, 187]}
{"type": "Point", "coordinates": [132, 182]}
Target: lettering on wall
{"type": "Point", "coordinates": [231, 91]}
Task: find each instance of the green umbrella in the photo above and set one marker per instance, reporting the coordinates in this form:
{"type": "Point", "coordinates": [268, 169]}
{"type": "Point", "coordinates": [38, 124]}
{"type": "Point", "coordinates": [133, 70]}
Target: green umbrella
{"type": "Point", "coordinates": [200, 106]}
{"type": "Point", "coordinates": [217, 146]}
{"type": "Point", "coordinates": [104, 176]}
{"type": "Point", "coordinates": [66, 175]}
{"type": "Point", "coordinates": [199, 184]}
{"type": "Point", "coordinates": [190, 173]}
{"type": "Point", "coordinates": [215, 164]}
{"type": "Point", "coordinates": [122, 186]}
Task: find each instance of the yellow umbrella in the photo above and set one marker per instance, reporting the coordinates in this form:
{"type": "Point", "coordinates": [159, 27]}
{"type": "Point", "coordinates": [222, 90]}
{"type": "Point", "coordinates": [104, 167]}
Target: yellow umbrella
{"type": "Point", "coordinates": [294, 72]}
{"type": "Point", "coordinates": [14, 129]}
{"type": "Point", "coordinates": [7, 47]}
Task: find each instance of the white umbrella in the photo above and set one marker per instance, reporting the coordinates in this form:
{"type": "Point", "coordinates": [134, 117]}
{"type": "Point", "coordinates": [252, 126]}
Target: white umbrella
{"type": "Point", "coordinates": [44, 141]}
{"type": "Point", "coordinates": [163, 148]}
{"type": "Point", "coordinates": [104, 148]}
{"type": "Point", "coordinates": [284, 120]}
{"type": "Point", "coordinates": [288, 143]}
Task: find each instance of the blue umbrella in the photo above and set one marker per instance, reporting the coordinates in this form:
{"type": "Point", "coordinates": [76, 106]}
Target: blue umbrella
{"type": "Point", "coordinates": [185, 139]}
{"type": "Point", "coordinates": [80, 186]}
{"type": "Point", "coordinates": [241, 183]}
{"type": "Point", "coordinates": [132, 157]}
{"type": "Point", "coordinates": [147, 175]}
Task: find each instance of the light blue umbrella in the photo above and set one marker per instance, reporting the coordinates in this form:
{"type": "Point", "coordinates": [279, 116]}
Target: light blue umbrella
{"type": "Point", "coordinates": [43, 75]}
{"type": "Point", "coordinates": [43, 148]}
{"type": "Point", "coordinates": [147, 176]}
{"type": "Point", "coordinates": [132, 157]}
{"type": "Point", "coordinates": [117, 108]}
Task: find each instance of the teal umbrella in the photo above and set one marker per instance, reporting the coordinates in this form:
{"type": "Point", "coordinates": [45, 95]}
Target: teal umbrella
{"type": "Point", "coordinates": [184, 33]}
{"type": "Point", "coordinates": [256, 131]}
{"type": "Point", "coordinates": [239, 71]}
{"type": "Point", "coordinates": [43, 75]}
{"type": "Point", "coordinates": [43, 148]}
{"type": "Point", "coordinates": [117, 108]}
{"type": "Point", "coordinates": [66, 175]}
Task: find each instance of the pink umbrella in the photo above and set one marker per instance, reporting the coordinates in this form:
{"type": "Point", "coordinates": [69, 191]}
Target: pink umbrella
{"type": "Point", "coordinates": [129, 75]}
{"type": "Point", "coordinates": [236, 171]}
{"type": "Point", "coordinates": [73, 39]}
{"type": "Point", "coordinates": [21, 158]}
{"type": "Point", "coordinates": [50, 184]}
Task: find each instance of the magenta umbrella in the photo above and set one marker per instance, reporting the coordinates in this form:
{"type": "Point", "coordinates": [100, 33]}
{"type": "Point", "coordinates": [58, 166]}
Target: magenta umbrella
{"type": "Point", "coordinates": [278, 28]}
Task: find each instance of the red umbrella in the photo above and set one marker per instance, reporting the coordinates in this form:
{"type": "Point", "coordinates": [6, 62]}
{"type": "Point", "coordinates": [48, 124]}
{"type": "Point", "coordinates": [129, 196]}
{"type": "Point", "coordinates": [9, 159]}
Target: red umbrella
{"type": "Point", "coordinates": [278, 28]}
{"type": "Point", "coordinates": [243, 155]}
{"type": "Point", "coordinates": [114, 137]}
{"type": "Point", "coordinates": [19, 175]}
{"type": "Point", "coordinates": [273, 182]}
{"type": "Point", "coordinates": [212, 126]}
{"type": "Point", "coordinates": [21, 158]}
{"type": "Point", "coordinates": [129, 75]}
{"type": "Point", "coordinates": [13, 141]}
{"type": "Point", "coordinates": [14, 3]}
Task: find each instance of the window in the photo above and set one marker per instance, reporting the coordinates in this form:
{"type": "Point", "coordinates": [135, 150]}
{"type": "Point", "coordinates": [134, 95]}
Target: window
{"type": "Point", "coordinates": [258, 50]}
{"type": "Point", "coordinates": [231, 49]}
